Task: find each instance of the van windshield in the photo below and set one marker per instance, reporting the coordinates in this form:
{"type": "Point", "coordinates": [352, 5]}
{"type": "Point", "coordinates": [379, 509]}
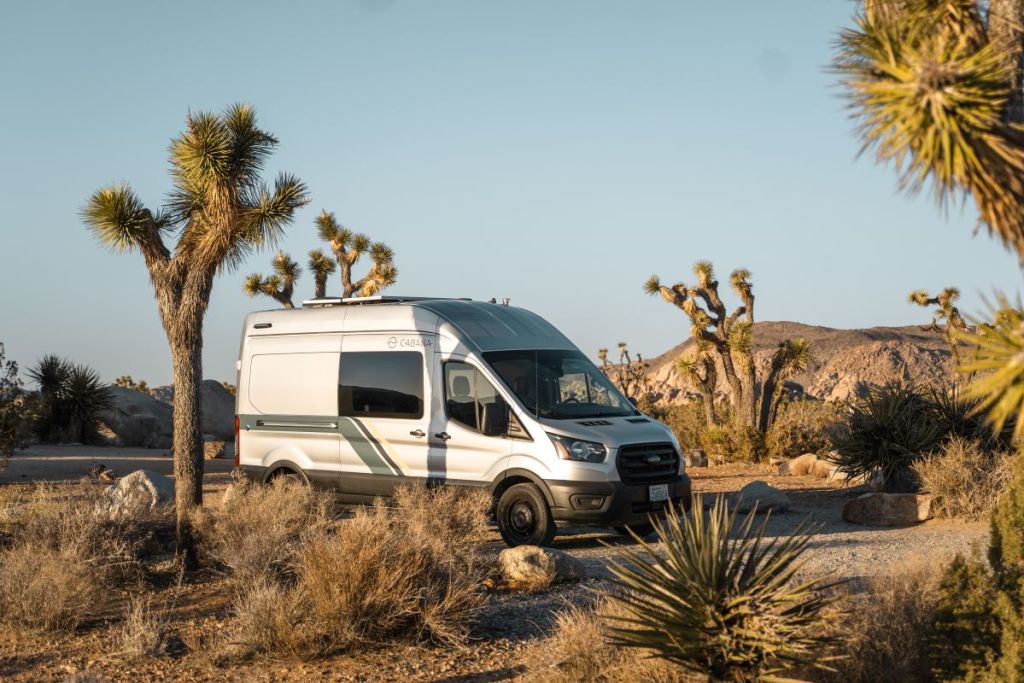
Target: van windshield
{"type": "Point", "coordinates": [559, 384]}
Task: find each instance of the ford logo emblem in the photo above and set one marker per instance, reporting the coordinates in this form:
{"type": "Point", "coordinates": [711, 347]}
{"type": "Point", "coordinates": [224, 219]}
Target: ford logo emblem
{"type": "Point", "coordinates": [652, 459]}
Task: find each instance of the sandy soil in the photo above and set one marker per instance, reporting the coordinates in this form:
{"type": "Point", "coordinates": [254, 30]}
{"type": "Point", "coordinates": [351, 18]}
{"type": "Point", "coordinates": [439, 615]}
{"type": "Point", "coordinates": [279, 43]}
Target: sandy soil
{"type": "Point", "coordinates": [197, 610]}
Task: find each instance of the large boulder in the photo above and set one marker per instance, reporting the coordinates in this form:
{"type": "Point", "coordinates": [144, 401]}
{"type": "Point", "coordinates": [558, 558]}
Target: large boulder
{"type": "Point", "coordinates": [218, 408]}
{"type": "Point", "coordinates": [765, 496]}
{"type": "Point", "coordinates": [138, 492]}
{"type": "Point", "coordinates": [532, 567]}
{"type": "Point", "coordinates": [888, 509]}
{"type": "Point", "coordinates": [138, 419]}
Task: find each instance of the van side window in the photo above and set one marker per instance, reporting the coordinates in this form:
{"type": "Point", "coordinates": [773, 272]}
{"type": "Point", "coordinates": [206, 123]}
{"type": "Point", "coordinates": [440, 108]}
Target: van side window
{"type": "Point", "coordinates": [472, 401]}
{"type": "Point", "coordinates": [381, 384]}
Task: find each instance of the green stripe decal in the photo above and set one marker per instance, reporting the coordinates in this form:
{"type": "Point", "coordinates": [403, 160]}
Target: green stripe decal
{"type": "Point", "coordinates": [379, 446]}
{"type": "Point", "coordinates": [364, 447]}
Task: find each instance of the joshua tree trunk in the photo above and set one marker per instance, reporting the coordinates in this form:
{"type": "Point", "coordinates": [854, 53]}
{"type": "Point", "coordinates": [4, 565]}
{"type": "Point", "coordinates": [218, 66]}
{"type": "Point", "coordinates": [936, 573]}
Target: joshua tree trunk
{"type": "Point", "coordinates": [1006, 26]}
{"type": "Point", "coordinates": [745, 409]}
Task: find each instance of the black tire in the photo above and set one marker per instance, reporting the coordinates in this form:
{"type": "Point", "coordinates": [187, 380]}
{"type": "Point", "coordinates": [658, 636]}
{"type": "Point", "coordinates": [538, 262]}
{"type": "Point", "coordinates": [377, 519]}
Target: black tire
{"type": "Point", "coordinates": [290, 476]}
{"type": "Point", "coordinates": [641, 529]}
{"type": "Point", "coordinates": [524, 517]}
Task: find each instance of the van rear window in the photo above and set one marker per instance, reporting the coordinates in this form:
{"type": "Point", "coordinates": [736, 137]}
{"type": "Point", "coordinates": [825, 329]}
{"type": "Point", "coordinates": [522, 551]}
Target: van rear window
{"type": "Point", "coordinates": [381, 384]}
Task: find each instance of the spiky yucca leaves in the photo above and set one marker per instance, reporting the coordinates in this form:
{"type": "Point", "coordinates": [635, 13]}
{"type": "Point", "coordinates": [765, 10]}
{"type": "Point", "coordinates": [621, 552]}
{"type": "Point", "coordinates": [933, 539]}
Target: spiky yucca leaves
{"type": "Point", "coordinates": [718, 599]}
{"type": "Point", "coordinates": [997, 353]}
{"type": "Point", "coordinates": [888, 430]}
{"type": "Point", "coordinates": [71, 397]}
{"type": "Point", "coordinates": [931, 91]}
{"type": "Point", "coordinates": [280, 286]}
{"type": "Point", "coordinates": [322, 268]}
{"type": "Point", "coordinates": [348, 247]}
{"type": "Point", "coordinates": [220, 210]}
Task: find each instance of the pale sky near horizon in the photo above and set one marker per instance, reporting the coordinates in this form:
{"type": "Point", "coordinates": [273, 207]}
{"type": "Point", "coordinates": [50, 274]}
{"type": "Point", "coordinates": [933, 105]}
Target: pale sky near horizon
{"type": "Point", "coordinates": [556, 153]}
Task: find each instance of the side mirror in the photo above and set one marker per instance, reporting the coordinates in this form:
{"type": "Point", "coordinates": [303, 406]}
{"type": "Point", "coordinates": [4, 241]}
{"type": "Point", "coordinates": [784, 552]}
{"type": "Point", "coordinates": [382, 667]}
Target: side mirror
{"type": "Point", "coordinates": [494, 418]}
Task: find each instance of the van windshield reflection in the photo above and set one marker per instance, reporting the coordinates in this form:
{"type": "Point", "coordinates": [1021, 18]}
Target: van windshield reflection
{"type": "Point", "coordinates": [559, 384]}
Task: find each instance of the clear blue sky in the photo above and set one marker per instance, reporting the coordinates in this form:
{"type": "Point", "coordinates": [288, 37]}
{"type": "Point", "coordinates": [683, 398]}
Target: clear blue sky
{"type": "Point", "coordinates": [556, 153]}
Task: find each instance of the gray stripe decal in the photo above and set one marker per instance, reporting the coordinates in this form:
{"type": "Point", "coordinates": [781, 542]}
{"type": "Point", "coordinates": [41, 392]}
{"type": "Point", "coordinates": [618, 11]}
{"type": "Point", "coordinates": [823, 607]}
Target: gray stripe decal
{"type": "Point", "coordinates": [364, 447]}
{"type": "Point", "coordinates": [380, 448]}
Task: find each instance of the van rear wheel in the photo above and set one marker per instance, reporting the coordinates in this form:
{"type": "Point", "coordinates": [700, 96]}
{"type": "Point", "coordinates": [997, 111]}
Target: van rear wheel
{"type": "Point", "coordinates": [524, 517]}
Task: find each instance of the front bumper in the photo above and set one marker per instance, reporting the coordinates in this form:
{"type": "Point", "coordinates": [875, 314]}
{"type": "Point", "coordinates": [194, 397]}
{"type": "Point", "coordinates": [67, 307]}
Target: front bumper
{"type": "Point", "coordinates": [573, 501]}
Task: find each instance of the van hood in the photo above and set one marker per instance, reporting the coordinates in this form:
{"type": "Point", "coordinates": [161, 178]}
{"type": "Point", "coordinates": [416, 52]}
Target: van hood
{"type": "Point", "coordinates": [613, 432]}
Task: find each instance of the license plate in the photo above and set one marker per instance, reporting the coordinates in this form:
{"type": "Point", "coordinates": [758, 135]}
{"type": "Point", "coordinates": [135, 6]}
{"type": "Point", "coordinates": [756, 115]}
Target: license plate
{"type": "Point", "coordinates": [658, 492]}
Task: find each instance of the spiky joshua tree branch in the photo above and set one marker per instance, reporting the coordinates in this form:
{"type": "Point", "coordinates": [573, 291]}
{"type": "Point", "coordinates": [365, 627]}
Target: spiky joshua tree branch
{"type": "Point", "coordinates": [280, 286]}
{"type": "Point", "coordinates": [946, 313]}
{"type": "Point", "coordinates": [348, 247]}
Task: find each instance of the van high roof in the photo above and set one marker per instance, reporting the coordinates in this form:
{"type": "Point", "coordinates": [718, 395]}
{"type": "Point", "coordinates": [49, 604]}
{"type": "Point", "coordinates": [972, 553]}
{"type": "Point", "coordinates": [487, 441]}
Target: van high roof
{"type": "Point", "coordinates": [481, 325]}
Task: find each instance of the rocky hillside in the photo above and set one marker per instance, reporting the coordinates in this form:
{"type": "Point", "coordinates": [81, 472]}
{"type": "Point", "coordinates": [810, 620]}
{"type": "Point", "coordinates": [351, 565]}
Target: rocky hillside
{"type": "Point", "coordinates": [846, 359]}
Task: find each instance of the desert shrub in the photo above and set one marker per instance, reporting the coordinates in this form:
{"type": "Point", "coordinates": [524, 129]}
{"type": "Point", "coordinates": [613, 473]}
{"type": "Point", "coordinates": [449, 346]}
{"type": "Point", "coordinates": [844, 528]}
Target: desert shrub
{"type": "Point", "coordinates": [887, 627]}
{"type": "Point", "coordinates": [959, 416]}
{"type": "Point", "coordinates": [260, 527]}
{"type": "Point", "coordinates": [686, 420]}
{"type": "Point", "coordinates": [800, 427]}
{"type": "Point", "coordinates": [889, 429]}
{"type": "Point", "coordinates": [578, 650]}
{"type": "Point", "coordinates": [12, 406]}
{"type": "Point", "coordinates": [964, 478]}
{"type": "Point", "coordinates": [406, 572]}
{"type": "Point", "coordinates": [143, 633]}
{"type": "Point", "coordinates": [45, 588]}
{"type": "Point", "coordinates": [965, 628]}
{"type": "Point", "coordinates": [725, 444]}
{"type": "Point", "coordinates": [61, 557]}
{"type": "Point", "coordinates": [715, 600]}
{"type": "Point", "coordinates": [70, 398]}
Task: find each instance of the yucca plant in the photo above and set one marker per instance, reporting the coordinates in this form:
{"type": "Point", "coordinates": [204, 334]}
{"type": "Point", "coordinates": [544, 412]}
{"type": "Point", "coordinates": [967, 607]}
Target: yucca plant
{"type": "Point", "coordinates": [70, 398]}
{"type": "Point", "coordinates": [718, 599]}
{"type": "Point", "coordinates": [888, 430]}
{"type": "Point", "coordinates": [996, 351]}
{"type": "Point", "coordinates": [935, 88]}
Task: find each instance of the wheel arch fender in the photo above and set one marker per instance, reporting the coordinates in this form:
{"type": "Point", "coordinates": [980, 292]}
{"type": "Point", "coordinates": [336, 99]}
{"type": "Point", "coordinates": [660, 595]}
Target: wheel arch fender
{"type": "Point", "coordinates": [511, 477]}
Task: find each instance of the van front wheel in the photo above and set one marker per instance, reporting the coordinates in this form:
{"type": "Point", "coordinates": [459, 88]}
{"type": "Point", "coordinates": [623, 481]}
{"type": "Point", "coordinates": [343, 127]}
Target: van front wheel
{"type": "Point", "coordinates": [524, 517]}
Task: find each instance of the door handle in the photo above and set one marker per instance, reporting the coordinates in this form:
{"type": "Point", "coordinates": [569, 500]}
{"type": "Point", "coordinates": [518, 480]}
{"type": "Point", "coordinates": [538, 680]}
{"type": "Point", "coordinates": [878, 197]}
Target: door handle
{"type": "Point", "coordinates": [418, 433]}
{"type": "Point", "coordinates": [444, 436]}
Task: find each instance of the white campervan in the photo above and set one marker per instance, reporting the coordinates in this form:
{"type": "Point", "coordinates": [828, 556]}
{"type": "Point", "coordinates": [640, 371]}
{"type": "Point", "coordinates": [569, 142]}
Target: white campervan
{"type": "Point", "coordinates": [361, 395]}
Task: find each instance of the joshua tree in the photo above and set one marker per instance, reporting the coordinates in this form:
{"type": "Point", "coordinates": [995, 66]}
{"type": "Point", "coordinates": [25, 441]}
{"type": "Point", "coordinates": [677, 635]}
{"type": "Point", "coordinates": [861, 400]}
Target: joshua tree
{"type": "Point", "coordinates": [729, 336]}
{"type": "Point", "coordinates": [348, 247]}
{"type": "Point", "coordinates": [220, 211]}
{"type": "Point", "coordinates": [127, 382]}
{"type": "Point", "coordinates": [629, 375]}
{"type": "Point", "coordinates": [947, 312]}
{"type": "Point", "coordinates": [280, 286]}
{"type": "Point", "coordinates": [322, 267]}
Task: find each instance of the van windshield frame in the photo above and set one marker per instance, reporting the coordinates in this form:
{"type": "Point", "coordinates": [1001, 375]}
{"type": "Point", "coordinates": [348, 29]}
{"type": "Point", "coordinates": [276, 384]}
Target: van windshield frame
{"type": "Point", "coordinates": [559, 384]}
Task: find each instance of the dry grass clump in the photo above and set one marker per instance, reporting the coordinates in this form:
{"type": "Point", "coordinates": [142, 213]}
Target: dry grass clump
{"type": "Point", "coordinates": [60, 557]}
{"type": "Point", "coordinates": [260, 527]}
{"type": "Point", "coordinates": [143, 633]}
{"type": "Point", "coordinates": [578, 650]}
{"type": "Point", "coordinates": [964, 478]}
{"type": "Point", "coordinates": [409, 572]}
{"type": "Point", "coordinates": [887, 627]}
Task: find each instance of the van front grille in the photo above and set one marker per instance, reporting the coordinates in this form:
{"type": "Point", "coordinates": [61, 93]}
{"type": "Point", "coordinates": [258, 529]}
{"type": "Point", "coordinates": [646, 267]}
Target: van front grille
{"type": "Point", "coordinates": [648, 463]}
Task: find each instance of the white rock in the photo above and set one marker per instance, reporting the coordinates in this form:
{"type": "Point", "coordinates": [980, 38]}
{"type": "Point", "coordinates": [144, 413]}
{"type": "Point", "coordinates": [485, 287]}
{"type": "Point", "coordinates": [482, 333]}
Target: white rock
{"type": "Point", "coordinates": [888, 509]}
{"type": "Point", "coordinates": [799, 466]}
{"type": "Point", "coordinates": [139, 491]}
{"type": "Point", "coordinates": [530, 566]}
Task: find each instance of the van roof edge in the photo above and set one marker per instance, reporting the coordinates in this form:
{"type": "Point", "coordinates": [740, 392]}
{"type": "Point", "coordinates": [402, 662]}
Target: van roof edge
{"type": "Point", "coordinates": [363, 300]}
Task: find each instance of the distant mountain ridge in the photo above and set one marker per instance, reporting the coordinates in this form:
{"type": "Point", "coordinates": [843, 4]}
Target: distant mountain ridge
{"type": "Point", "coordinates": [846, 359]}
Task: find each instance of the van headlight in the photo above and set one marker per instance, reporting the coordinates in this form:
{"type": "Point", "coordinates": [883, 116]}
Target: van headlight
{"type": "Point", "coordinates": [577, 449]}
